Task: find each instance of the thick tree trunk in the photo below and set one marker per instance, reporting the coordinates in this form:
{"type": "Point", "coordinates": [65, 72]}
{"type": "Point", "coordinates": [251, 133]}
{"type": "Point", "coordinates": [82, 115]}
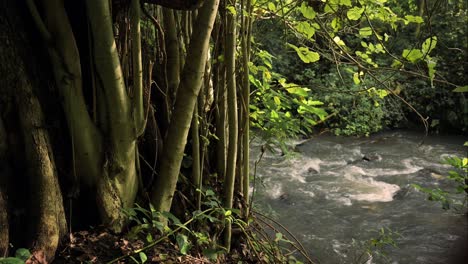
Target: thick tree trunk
{"type": "Point", "coordinates": [46, 198]}
{"type": "Point", "coordinates": [20, 79]}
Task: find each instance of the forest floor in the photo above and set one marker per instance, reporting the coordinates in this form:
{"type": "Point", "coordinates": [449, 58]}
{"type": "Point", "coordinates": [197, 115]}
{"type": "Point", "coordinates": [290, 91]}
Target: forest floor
{"type": "Point", "coordinates": [102, 246]}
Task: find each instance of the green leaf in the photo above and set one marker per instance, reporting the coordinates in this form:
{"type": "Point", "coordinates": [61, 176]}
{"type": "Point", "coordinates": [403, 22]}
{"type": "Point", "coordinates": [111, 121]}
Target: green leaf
{"type": "Point", "coordinates": [273, 115]}
{"type": "Point", "coordinates": [305, 54]}
{"type": "Point", "coordinates": [232, 10]}
{"type": "Point", "coordinates": [345, 2]}
{"type": "Point", "coordinates": [11, 261]}
{"type": "Point", "coordinates": [365, 31]}
{"type": "Point", "coordinates": [298, 91]}
{"type": "Point", "coordinates": [278, 237]}
{"type": "Point", "coordinates": [305, 28]}
{"type": "Point", "coordinates": [307, 11]}
{"type": "Point", "coordinates": [143, 257]}
{"type": "Point", "coordinates": [183, 243]}
{"type": "Point", "coordinates": [355, 13]}
{"type": "Point", "coordinates": [356, 78]}
{"type": "Point", "coordinates": [211, 253]}
{"type": "Point", "coordinates": [271, 7]}
{"type": "Point", "coordinates": [431, 64]}
{"type": "Point", "coordinates": [413, 55]}
{"type": "Point", "coordinates": [22, 253]}
{"type": "Point", "coordinates": [461, 89]}
{"type": "Point", "coordinates": [429, 44]}
{"type": "Point", "coordinates": [413, 19]}
{"type": "Point", "coordinates": [277, 100]}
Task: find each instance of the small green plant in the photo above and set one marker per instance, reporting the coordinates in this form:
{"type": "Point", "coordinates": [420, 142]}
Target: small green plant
{"type": "Point", "coordinates": [21, 255]}
{"type": "Point", "coordinates": [201, 231]}
{"type": "Point", "coordinates": [459, 175]}
{"type": "Point", "coordinates": [375, 247]}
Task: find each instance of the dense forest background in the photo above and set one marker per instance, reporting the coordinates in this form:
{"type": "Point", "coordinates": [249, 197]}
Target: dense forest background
{"type": "Point", "coordinates": [105, 104]}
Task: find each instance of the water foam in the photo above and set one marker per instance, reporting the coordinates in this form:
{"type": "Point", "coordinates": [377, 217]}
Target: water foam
{"type": "Point", "coordinates": [369, 189]}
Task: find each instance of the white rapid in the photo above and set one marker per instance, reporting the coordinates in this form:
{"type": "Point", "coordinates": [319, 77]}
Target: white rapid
{"type": "Point", "coordinates": [334, 190]}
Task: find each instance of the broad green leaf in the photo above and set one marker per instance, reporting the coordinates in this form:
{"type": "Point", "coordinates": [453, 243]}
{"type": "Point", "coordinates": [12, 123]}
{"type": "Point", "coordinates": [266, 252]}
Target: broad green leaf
{"type": "Point", "coordinates": [232, 10]}
{"type": "Point", "coordinates": [211, 253]}
{"type": "Point", "coordinates": [307, 11]}
{"type": "Point", "coordinates": [356, 78]}
{"type": "Point", "coordinates": [335, 24]}
{"type": "Point", "coordinates": [465, 162]}
{"type": "Point", "coordinates": [305, 54]}
{"type": "Point", "coordinates": [413, 55]}
{"type": "Point", "coordinates": [277, 100]}
{"type": "Point", "coordinates": [365, 31]}
{"type": "Point", "coordinates": [298, 91]}
{"type": "Point", "coordinates": [339, 41]}
{"type": "Point", "coordinates": [143, 257]}
{"type": "Point", "coordinates": [461, 89]}
{"type": "Point", "coordinates": [355, 13]}
{"type": "Point", "coordinates": [313, 103]}
{"type": "Point", "coordinates": [183, 243]}
{"type": "Point", "coordinates": [413, 19]}
{"type": "Point", "coordinates": [273, 115]}
{"type": "Point", "coordinates": [305, 28]}
{"type": "Point", "coordinates": [11, 261]}
{"type": "Point", "coordinates": [429, 44]}
{"type": "Point", "coordinates": [22, 253]}
{"type": "Point", "coordinates": [271, 7]}
{"type": "Point", "coordinates": [345, 2]}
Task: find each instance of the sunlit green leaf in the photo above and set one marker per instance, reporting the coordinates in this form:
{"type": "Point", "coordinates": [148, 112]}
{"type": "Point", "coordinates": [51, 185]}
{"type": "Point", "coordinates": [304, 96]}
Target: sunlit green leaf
{"type": "Point", "coordinates": [413, 55]}
{"type": "Point", "coordinates": [429, 44]}
{"type": "Point", "coordinates": [305, 54]}
{"type": "Point", "coordinates": [277, 100]}
{"type": "Point", "coordinates": [298, 91]}
{"type": "Point", "coordinates": [271, 7]}
{"type": "Point", "coordinates": [232, 9]}
{"type": "Point", "coordinates": [355, 13]}
{"type": "Point", "coordinates": [365, 31]}
{"type": "Point", "coordinates": [143, 257]}
{"type": "Point", "coordinates": [307, 11]}
{"type": "Point", "coordinates": [413, 19]}
{"type": "Point", "coordinates": [305, 28]}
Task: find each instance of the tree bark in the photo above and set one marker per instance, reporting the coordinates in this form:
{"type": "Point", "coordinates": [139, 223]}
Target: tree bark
{"type": "Point", "coordinates": [232, 118]}
{"type": "Point", "coordinates": [4, 172]}
{"type": "Point", "coordinates": [19, 71]}
{"type": "Point", "coordinates": [191, 81]}
{"type": "Point", "coordinates": [46, 197]}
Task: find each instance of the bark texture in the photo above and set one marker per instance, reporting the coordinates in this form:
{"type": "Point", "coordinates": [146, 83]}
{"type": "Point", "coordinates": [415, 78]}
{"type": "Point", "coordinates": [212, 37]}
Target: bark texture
{"type": "Point", "coordinates": [191, 81]}
{"type": "Point", "coordinates": [20, 78]}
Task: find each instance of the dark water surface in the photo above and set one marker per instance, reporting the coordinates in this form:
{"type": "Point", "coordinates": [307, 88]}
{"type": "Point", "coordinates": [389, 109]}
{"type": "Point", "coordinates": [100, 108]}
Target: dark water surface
{"type": "Point", "coordinates": [327, 195]}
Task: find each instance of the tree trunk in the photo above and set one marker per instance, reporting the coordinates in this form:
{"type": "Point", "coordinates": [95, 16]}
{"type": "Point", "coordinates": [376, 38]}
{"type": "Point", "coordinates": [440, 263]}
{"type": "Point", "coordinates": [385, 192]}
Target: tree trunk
{"type": "Point", "coordinates": [191, 81]}
{"type": "Point", "coordinates": [20, 81]}
{"type": "Point", "coordinates": [4, 173]}
{"type": "Point", "coordinates": [46, 197]}
{"type": "Point", "coordinates": [232, 118]}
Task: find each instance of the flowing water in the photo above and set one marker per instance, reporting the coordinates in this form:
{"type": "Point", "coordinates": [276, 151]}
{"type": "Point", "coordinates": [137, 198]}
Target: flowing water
{"type": "Point", "coordinates": [328, 195]}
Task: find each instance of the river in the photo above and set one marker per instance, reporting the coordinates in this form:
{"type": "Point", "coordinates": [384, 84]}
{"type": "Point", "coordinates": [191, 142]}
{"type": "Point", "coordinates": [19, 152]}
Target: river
{"type": "Point", "coordinates": [328, 196]}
